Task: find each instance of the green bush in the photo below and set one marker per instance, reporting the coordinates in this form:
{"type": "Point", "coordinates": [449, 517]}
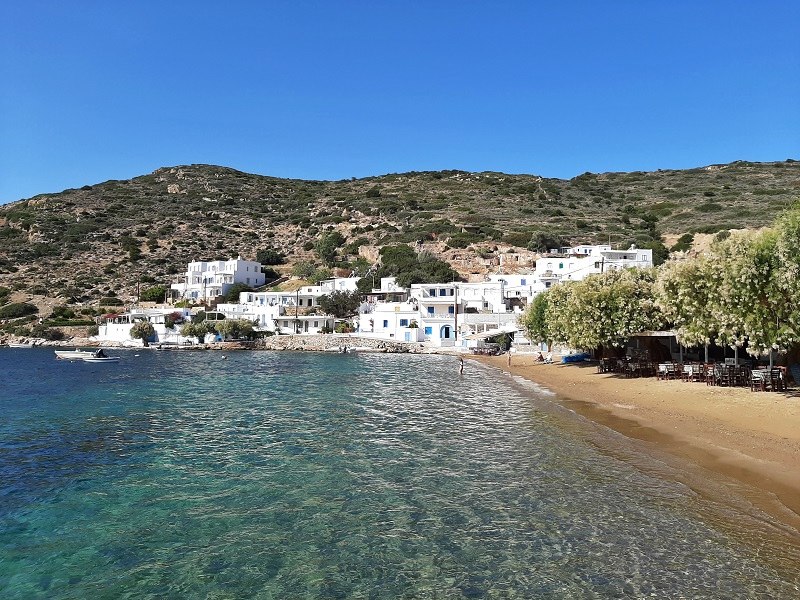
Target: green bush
{"type": "Point", "coordinates": [153, 294]}
{"type": "Point", "coordinates": [17, 309]}
{"type": "Point", "coordinates": [270, 256]}
{"type": "Point", "coordinates": [62, 313]}
{"type": "Point", "coordinates": [109, 301]}
{"type": "Point", "coordinates": [684, 243]}
{"type": "Point", "coordinates": [47, 333]}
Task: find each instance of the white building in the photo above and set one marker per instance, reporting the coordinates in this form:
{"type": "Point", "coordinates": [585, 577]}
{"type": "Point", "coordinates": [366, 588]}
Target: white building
{"type": "Point", "coordinates": [449, 311]}
{"type": "Point", "coordinates": [391, 320]}
{"type": "Point", "coordinates": [289, 312]}
{"type": "Point", "coordinates": [206, 280]}
{"type": "Point", "coordinates": [282, 312]}
{"type": "Point", "coordinates": [165, 321]}
{"type": "Point", "coordinates": [575, 264]}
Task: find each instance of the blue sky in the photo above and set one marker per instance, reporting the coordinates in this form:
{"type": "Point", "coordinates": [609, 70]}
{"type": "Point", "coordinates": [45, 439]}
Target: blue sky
{"type": "Point", "coordinates": [91, 91]}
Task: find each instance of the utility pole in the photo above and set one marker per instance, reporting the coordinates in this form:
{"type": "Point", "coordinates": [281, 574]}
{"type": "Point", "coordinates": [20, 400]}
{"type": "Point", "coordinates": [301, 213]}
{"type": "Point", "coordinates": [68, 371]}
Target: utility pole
{"type": "Point", "coordinates": [455, 313]}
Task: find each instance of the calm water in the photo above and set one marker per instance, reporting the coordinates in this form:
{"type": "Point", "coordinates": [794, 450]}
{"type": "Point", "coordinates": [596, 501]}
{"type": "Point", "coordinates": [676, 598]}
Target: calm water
{"type": "Point", "coordinates": [280, 475]}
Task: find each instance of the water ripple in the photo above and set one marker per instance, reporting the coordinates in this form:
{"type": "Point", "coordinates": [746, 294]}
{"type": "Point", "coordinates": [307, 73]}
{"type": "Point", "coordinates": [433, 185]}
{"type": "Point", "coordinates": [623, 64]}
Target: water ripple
{"type": "Point", "coordinates": [346, 476]}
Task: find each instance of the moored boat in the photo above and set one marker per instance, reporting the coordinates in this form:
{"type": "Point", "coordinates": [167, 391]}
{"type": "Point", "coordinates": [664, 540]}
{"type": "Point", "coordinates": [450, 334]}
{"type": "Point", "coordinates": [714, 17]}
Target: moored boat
{"type": "Point", "coordinates": [101, 359]}
{"type": "Point", "coordinates": [76, 354]}
{"type": "Point", "coordinates": [21, 344]}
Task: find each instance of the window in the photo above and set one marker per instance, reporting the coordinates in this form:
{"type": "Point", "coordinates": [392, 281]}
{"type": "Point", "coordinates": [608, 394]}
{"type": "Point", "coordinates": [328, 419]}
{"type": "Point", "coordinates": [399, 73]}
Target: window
{"type": "Point", "coordinates": [316, 323]}
{"type": "Point", "coordinates": [385, 323]}
{"type": "Point", "coordinates": [429, 331]}
{"type": "Point", "coordinates": [403, 322]}
{"type": "Point", "coordinates": [560, 265]}
{"type": "Point", "coordinates": [451, 310]}
{"type": "Point", "coordinates": [523, 281]}
{"type": "Point", "coordinates": [430, 310]}
{"type": "Point", "coordinates": [442, 292]}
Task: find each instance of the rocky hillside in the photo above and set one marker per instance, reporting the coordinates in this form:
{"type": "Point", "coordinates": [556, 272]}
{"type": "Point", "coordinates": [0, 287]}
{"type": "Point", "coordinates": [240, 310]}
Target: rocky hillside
{"type": "Point", "coordinates": [83, 244]}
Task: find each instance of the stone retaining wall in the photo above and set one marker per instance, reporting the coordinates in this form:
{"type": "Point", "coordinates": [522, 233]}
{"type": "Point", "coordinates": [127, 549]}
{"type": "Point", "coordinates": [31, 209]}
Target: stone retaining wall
{"type": "Point", "coordinates": [333, 341]}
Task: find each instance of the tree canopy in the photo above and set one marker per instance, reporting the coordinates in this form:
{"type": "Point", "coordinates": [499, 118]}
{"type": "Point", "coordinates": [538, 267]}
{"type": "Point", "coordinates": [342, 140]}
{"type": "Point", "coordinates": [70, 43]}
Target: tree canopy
{"type": "Point", "coordinates": [153, 294]}
{"type": "Point", "coordinates": [742, 292]}
{"type": "Point", "coordinates": [409, 267]}
{"type": "Point", "coordinates": [235, 328]}
{"type": "Point", "coordinates": [328, 245]}
{"type": "Point", "coordinates": [143, 330]}
{"type": "Point", "coordinates": [340, 304]}
{"type": "Point", "coordinates": [232, 295]}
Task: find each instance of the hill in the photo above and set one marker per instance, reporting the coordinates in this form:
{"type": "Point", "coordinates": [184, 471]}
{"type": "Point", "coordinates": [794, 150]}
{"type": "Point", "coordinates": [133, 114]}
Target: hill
{"type": "Point", "coordinates": [102, 240]}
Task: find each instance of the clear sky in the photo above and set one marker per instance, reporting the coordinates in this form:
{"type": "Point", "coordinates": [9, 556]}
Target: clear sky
{"type": "Point", "coordinates": [91, 91]}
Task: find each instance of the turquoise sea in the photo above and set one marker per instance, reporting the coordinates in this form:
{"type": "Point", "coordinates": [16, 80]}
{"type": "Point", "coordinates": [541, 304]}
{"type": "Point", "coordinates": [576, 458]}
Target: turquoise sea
{"type": "Point", "coordinates": [294, 475]}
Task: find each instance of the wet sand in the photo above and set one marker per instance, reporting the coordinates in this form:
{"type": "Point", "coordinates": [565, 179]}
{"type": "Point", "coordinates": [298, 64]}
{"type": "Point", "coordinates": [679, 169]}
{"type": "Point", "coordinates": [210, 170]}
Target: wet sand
{"type": "Point", "coordinates": [752, 437]}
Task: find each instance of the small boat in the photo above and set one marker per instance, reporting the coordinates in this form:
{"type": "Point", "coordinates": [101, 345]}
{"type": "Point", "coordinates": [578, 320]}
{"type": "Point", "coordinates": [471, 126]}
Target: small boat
{"type": "Point", "coordinates": [21, 344]}
{"type": "Point", "coordinates": [76, 354]}
{"type": "Point", "coordinates": [101, 359]}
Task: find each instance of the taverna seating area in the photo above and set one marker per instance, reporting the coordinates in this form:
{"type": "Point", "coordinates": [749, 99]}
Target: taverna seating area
{"type": "Point", "coordinates": [758, 379]}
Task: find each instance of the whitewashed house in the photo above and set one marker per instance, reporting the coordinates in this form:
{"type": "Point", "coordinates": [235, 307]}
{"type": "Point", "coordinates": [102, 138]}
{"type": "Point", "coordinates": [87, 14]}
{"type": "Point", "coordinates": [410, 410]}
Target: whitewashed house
{"type": "Point", "coordinates": [575, 264]}
{"type": "Point", "coordinates": [518, 290]}
{"type": "Point", "coordinates": [449, 311]}
{"type": "Point", "coordinates": [397, 321]}
{"type": "Point", "coordinates": [117, 328]}
{"type": "Point", "coordinates": [289, 312]}
{"type": "Point", "coordinates": [206, 280]}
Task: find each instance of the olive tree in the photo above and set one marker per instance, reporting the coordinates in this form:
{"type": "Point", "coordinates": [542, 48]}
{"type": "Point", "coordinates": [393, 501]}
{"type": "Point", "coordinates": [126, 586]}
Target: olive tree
{"type": "Point", "coordinates": [235, 328]}
{"type": "Point", "coordinates": [143, 330]}
{"type": "Point", "coordinates": [198, 330]}
{"type": "Point", "coordinates": [534, 319]}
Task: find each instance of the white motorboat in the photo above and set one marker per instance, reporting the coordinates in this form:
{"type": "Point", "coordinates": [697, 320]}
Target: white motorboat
{"type": "Point", "coordinates": [21, 344]}
{"type": "Point", "coordinates": [101, 359]}
{"type": "Point", "coordinates": [76, 354]}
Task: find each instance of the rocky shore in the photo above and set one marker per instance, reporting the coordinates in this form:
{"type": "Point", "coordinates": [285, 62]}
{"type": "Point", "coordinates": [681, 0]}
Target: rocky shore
{"type": "Point", "coordinates": [308, 343]}
{"type": "Point", "coordinates": [333, 342]}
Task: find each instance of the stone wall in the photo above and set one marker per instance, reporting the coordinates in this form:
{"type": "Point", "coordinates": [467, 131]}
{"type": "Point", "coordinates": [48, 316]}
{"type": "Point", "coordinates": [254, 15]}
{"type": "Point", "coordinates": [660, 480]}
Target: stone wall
{"type": "Point", "coordinates": [333, 341]}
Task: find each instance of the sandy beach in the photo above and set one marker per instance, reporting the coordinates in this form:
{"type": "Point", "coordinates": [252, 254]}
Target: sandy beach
{"type": "Point", "coordinates": [753, 437]}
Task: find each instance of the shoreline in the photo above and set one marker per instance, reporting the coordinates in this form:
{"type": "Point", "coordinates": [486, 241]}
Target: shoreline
{"type": "Point", "coordinates": [752, 438]}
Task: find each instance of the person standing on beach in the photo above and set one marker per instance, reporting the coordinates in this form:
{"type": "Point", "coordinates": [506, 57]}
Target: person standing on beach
{"type": "Point", "coordinates": [509, 358]}
{"type": "Point", "coordinates": [460, 365]}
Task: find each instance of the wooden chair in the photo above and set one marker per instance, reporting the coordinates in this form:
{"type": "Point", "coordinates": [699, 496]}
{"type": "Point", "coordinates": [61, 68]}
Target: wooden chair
{"type": "Point", "coordinates": [777, 381]}
{"type": "Point", "coordinates": [758, 380]}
